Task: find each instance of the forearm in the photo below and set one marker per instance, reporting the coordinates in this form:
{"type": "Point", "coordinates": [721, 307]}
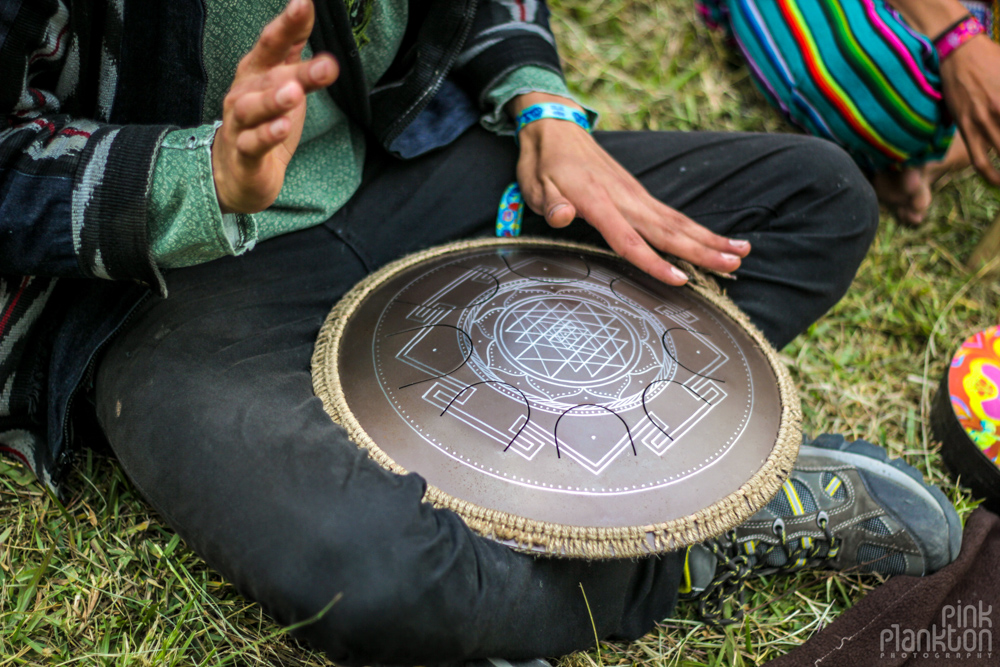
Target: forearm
{"type": "Point", "coordinates": [931, 17]}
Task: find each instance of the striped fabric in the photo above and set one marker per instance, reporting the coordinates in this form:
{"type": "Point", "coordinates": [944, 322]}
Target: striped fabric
{"type": "Point", "coordinates": [72, 194]}
{"type": "Point", "coordinates": [851, 71]}
{"type": "Point", "coordinates": [22, 369]}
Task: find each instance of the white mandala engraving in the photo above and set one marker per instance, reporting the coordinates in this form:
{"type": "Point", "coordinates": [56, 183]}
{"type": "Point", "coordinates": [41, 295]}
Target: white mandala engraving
{"type": "Point", "coordinates": [536, 351]}
{"type": "Point", "coordinates": [556, 336]}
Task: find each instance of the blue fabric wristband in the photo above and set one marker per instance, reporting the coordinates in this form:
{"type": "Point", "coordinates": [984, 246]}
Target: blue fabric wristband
{"type": "Point", "coordinates": [552, 110]}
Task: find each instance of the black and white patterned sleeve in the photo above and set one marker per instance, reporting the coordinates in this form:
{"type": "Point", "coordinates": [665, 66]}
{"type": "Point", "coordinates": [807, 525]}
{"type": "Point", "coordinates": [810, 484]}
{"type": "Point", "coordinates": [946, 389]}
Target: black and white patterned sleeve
{"type": "Point", "coordinates": [73, 190]}
{"type": "Point", "coordinates": [506, 35]}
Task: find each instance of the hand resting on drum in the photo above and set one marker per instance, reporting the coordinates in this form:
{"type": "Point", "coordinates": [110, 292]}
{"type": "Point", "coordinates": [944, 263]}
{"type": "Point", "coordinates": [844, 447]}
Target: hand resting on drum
{"type": "Point", "coordinates": [564, 173]}
{"type": "Point", "coordinates": [263, 113]}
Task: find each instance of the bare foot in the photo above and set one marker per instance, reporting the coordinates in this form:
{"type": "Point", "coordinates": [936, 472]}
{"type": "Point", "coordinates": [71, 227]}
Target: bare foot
{"type": "Point", "coordinates": [907, 193]}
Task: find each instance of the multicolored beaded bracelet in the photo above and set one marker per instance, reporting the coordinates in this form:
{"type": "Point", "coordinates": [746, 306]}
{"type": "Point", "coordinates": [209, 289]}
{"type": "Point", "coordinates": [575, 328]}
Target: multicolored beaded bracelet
{"type": "Point", "coordinates": [511, 209]}
{"type": "Point", "coordinates": [957, 35]}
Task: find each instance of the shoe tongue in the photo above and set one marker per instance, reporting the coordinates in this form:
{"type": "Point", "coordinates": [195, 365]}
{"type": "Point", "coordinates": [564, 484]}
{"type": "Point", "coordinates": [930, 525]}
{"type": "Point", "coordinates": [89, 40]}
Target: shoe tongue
{"type": "Point", "coordinates": [700, 567]}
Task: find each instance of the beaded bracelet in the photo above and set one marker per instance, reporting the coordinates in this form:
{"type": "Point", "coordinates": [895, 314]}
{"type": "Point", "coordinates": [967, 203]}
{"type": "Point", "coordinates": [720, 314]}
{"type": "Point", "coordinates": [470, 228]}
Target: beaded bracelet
{"type": "Point", "coordinates": [957, 35]}
{"type": "Point", "coordinates": [511, 209]}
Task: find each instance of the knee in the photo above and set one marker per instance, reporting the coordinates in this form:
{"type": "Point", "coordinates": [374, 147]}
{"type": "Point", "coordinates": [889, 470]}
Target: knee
{"type": "Point", "coordinates": [836, 196]}
{"type": "Point", "coordinates": [826, 218]}
{"type": "Point", "coordinates": [835, 173]}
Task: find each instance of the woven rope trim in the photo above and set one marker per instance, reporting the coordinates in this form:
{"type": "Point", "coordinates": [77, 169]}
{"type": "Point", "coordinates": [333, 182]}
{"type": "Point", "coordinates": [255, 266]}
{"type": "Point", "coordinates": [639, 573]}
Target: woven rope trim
{"type": "Point", "coordinates": [552, 538]}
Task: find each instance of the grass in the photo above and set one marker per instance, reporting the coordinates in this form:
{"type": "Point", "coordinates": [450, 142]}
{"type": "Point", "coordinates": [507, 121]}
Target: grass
{"type": "Point", "coordinates": [101, 581]}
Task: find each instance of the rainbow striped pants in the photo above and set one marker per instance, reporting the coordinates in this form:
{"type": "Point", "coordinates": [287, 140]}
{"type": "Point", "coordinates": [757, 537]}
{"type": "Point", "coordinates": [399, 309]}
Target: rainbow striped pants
{"type": "Point", "coordinates": [851, 71]}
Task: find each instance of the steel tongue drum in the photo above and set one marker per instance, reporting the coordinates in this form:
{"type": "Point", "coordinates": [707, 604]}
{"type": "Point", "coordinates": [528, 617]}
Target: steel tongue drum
{"type": "Point", "coordinates": [559, 400]}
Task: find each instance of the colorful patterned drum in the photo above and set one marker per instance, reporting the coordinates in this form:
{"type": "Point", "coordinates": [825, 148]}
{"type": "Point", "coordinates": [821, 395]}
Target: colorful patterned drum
{"type": "Point", "coordinates": [966, 415]}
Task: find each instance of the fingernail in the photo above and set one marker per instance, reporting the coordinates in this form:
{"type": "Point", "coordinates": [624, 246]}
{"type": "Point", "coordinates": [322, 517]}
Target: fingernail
{"type": "Point", "coordinates": [680, 275]}
{"type": "Point", "coordinates": [278, 127]}
{"type": "Point", "coordinates": [285, 93]}
{"type": "Point", "coordinates": [739, 244]}
{"type": "Point", "coordinates": [730, 257]}
{"type": "Point", "coordinates": [320, 70]}
{"type": "Point", "coordinates": [552, 211]}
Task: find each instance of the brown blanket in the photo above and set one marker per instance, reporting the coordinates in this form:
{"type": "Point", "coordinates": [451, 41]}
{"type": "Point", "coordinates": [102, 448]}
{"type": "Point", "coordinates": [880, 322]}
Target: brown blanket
{"type": "Point", "coordinates": [943, 619]}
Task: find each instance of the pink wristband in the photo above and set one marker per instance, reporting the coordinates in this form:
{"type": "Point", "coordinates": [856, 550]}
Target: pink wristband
{"type": "Point", "coordinates": [958, 36]}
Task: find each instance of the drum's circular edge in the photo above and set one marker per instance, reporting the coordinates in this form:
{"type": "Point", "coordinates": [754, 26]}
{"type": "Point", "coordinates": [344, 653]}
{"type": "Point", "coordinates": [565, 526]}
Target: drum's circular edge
{"type": "Point", "coordinates": [557, 539]}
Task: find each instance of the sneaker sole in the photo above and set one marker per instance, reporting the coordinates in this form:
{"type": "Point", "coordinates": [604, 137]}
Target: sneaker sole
{"type": "Point", "coordinates": [868, 457]}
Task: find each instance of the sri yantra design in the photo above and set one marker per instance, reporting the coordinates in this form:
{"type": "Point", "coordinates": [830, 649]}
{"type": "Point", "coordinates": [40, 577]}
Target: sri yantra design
{"type": "Point", "coordinates": [521, 360]}
{"type": "Point", "coordinates": [555, 336]}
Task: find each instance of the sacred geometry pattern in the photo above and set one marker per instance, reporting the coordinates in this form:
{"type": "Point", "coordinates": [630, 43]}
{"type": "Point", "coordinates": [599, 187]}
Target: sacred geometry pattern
{"type": "Point", "coordinates": [551, 336]}
{"type": "Point", "coordinates": [565, 344]}
{"type": "Point", "coordinates": [558, 374]}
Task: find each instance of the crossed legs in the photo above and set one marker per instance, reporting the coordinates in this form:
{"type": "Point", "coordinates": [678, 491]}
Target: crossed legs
{"type": "Point", "coordinates": [206, 398]}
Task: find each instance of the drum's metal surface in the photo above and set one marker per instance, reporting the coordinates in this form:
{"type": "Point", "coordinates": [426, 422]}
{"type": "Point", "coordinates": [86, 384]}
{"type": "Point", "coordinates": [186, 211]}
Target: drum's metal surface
{"type": "Point", "coordinates": [561, 387]}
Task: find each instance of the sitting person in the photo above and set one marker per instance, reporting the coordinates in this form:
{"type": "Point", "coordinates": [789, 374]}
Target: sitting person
{"type": "Point", "coordinates": [168, 251]}
{"type": "Point", "coordinates": [886, 79]}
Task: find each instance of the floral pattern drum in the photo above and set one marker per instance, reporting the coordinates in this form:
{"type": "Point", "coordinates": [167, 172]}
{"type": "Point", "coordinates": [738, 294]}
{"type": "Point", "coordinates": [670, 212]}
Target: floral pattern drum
{"type": "Point", "coordinates": [974, 387]}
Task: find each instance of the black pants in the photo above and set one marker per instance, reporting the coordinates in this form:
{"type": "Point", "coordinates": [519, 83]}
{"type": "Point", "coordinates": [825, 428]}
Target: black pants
{"type": "Point", "coordinates": [206, 398]}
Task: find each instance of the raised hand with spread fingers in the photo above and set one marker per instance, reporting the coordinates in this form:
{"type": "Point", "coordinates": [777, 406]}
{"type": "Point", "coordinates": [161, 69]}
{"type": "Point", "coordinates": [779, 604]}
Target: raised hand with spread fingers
{"type": "Point", "coordinates": [263, 113]}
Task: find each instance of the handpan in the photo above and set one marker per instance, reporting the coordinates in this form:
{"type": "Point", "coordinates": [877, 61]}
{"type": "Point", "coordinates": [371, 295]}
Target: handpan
{"type": "Point", "coordinates": [559, 400]}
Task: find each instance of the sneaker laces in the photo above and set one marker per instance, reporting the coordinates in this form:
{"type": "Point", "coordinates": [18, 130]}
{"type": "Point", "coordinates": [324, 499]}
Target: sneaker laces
{"type": "Point", "coordinates": [735, 567]}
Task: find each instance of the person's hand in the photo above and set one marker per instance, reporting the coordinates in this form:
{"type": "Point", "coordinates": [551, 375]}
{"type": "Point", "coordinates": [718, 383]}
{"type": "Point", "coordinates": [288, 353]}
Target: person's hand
{"type": "Point", "coordinates": [971, 81]}
{"type": "Point", "coordinates": [564, 173]}
{"type": "Point", "coordinates": [263, 113]}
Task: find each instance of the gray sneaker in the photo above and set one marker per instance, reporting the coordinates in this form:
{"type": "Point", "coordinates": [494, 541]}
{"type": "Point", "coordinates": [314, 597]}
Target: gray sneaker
{"type": "Point", "coordinates": [845, 506]}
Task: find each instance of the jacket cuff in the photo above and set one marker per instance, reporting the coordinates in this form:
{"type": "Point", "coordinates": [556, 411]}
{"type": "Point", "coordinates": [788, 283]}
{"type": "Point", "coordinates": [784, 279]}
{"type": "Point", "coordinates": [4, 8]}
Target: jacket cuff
{"type": "Point", "coordinates": [109, 206]}
{"type": "Point", "coordinates": [483, 67]}
{"type": "Point", "coordinates": [186, 225]}
{"type": "Point", "coordinates": [520, 81]}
